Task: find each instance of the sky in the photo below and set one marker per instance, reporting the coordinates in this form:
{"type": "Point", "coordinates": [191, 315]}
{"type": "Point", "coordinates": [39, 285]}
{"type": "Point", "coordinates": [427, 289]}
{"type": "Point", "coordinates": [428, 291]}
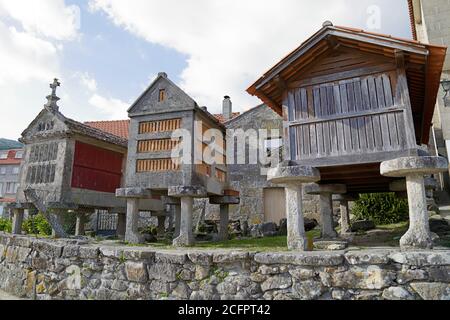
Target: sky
{"type": "Point", "coordinates": [107, 52]}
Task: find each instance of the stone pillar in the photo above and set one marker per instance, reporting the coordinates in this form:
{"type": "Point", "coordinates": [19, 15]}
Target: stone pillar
{"type": "Point", "coordinates": [292, 177]}
{"type": "Point", "coordinates": [132, 234]}
{"type": "Point", "coordinates": [296, 235]}
{"type": "Point", "coordinates": [161, 225]}
{"type": "Point", "coordinates": [414, 169]}
{"type": "Point", "coordinates": [79, 227]}
{"type": "Point", "coordinates": [121, 225]}
{"type": "Point", "coordinates": [17, 221]}
{"type": "Point", "coordinates": [345, 212]}
{"type": "Point", "coordinates": [177, 217]}
{"type": "Point", "coordinates": [186, 194]}
{"type": "Point", "coordinates": [224, 202]}
{"type": "Point", "coordinates": [186, 236]}
{"type": "Point", "coordinates": [326, 205]}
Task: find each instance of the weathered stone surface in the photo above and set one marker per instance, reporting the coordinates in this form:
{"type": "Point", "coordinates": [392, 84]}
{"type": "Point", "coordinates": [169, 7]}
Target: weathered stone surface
{"type": "Point", "coordinates": [422, 258]}
{"type": "Point", "coordinates": [370, 257]}
{"type": "Point", "coordinates": [304, 258]}
{"type": "Point", "coordinates": [308, 290]}
{"type": "Point", "coordinates": [170, 257]}
{"type": "Point", "coordinates": [136, 271]}
{"type": "Point", "coordinates": [432, 291]}
{"type": "Point", "coordinates": [283, 281]}
{"type": "Point", "coordinates": [370, 277]}
{"type": "Point", "coordinates": [402, 167]}
{"type": "Point", "coordinates": [230, 257]}
{"type": "Point", "coordinates": [397, 293]}
{"type": "Point", "coordinates": [286, 173]}
{"type": "Point", "coordinates": [201, 258]}
{"type": "Point", "coordinates": [330, 245]}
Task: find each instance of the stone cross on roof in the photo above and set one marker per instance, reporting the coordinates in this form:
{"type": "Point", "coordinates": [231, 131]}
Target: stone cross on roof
{"type": "Point", "coordinates": [52, 99]}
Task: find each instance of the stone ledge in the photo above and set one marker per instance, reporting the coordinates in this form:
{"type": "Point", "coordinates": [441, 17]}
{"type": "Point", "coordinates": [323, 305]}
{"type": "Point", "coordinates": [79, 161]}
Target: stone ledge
{"type": "Point", "coordinates": [402, 167]}
{"type": "Point", "coordinates": [302, 259]}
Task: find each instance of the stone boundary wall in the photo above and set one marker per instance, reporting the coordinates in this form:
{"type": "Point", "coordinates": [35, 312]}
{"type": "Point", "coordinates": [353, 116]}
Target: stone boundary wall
{"type": "Point", "coordinates": [71, 269]}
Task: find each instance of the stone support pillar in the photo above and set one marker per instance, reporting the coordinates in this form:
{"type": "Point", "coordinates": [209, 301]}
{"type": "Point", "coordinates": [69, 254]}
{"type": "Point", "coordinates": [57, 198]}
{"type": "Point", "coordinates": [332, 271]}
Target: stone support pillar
{"type": "Point", "coordinates": [79, 227]}
{"type": "Point", "coordinates": [224, 202]}
{"type": "Point", "coordinates": [326, 206]}
{"type": "Point", "coordinates": [414, 169]}
{"type": "Point", "coordinates": [186, 194]}
{"type": "Point", "coordinates": [17, 221]}
{"type": "Point", "coordinates": [132, 234]}
{"type": "Point", "coordinates": [292, 177]}
{"type": "Point", "coordinates": [345, 212]}
{"type": "Point", "coordinates": [177, 217]}
{"type": "Point", "coordinates": [121, 225]}
{"type": "Point", "coordinates": [161, 225]}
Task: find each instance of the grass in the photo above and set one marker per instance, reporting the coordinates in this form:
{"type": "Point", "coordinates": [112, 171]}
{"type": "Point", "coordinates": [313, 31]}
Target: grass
{"type": "Point", "coordinates": [252, 244]}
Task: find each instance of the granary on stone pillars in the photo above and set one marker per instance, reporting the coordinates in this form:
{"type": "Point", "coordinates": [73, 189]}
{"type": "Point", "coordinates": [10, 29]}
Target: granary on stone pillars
{"type": "Point", "coordinates": [69, 167]}
{"type": "Point", "coordinates": [352, 101]}
{"type": "Point", "coordinates": [169, 134]}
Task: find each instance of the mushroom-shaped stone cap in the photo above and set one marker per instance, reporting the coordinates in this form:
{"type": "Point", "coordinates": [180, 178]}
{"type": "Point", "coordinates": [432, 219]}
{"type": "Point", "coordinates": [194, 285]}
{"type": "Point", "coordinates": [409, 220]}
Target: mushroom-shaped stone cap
{"type": "Point", "coordinates": [293, 174]}
{"type": "Point", "coordinates": [316, 189]}
{"type": "Point", "coordinates": [133, 193]}
{"type": "Point", "coordinates": [187, 191]}
{"type": "Point", "coordinates": [345, 197]}
{"type": "Point", "coordinates": [403, 167]}
{"type": "Point", "coordinates": [224, 200]}
{"type": "Point", "coordinates": [400, 185]}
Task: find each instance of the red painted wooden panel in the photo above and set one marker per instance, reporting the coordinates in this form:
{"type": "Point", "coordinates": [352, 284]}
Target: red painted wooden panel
{"type": "Point", "coordinates": [96, 169]}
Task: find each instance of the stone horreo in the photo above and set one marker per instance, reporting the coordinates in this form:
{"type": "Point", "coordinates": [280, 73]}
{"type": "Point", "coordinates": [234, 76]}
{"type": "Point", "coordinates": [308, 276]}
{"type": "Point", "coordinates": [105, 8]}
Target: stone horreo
{"type": "Point", "coordinates": [357, 110]}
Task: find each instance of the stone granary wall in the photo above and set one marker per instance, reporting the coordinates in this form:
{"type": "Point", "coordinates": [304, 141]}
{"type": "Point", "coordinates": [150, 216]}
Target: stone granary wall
{"type": "Point", "coordinates": [248, 178]}
{"type": "Point", "coordinates": [69, 269]}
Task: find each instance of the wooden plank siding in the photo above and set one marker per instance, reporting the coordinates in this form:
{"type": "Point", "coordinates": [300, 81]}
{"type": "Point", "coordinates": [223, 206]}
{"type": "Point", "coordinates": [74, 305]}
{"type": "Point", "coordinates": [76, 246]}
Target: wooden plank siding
{"type": "Point", "coordinates": [156, 165]}
{"type": "Point", "coordinates": [157, 145]}
{"type": "Point", "coordinates": [159, 126]}
{"type": "Point", "coordinates": [346, 117]}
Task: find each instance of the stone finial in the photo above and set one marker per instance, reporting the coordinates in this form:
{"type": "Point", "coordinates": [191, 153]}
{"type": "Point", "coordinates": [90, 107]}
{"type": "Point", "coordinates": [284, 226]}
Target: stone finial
{"type": "Point", "coordinates": [327, 23]}
{"type": "Point", "coordinates": [162, 74]}
{"type": "Point", "coordinates": [52, 99]}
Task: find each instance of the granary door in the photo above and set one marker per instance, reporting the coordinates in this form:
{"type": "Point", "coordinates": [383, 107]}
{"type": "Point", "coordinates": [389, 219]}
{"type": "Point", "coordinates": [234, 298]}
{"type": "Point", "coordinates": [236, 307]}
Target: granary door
{"type": "Point", "coordinates": [274, 205]}
{"type": "Point", "coordinates": [356, 116]}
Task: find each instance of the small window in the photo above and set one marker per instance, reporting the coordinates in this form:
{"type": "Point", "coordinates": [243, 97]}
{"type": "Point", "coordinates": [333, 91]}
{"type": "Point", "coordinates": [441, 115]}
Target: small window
{"type": "Point", "coordinates": [15, 170]}
{"type": "Point", "coordinates": [19, 154]}
{"type": "Point", "coordinates": [162, 95]}
{"type": "Point", "coordinates": [4, 155]}
{"type": "Point", "coordinates": [10, 187]}
{"type": "Point", "coordinates": [2, 170]}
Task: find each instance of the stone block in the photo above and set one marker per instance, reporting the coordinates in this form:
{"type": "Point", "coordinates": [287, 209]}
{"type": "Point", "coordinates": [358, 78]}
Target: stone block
{"type": "Point", "coordinates": [397, 293]}
{"type": "Point", "coordinates": [283, 281]}
{"type": "Point", "coordinates": [230, 257]}
{"type": "Point", "coordinates": [432, 291]}
{"type": "Point", "coordinates": [48, 249]}
{"type": "Point", "coordinates": [370, 257]}
{"type": "Point", "coordinates": [136, 271]}
{"type": "Point", "coordinates": [170, 257]}
{"type": "Point", "coordinates": [200, 258]}
{"type": "Point", "coordinates": [291, 173]}
{"type": "Point", "coordinates": [422, 258]}
{"type": "Point", "coordinates": [302, 259]}
{"type": "Point", "coordinates": [370, 277]}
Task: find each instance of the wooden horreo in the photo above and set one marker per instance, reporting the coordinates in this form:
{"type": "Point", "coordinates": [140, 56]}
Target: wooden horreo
{"type": "Point", "coordinates": [351, 100]}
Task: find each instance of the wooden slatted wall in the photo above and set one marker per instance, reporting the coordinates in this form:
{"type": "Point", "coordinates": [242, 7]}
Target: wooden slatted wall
{"type": "Point", "coordinates": [159, 126]}
{"type": "Point", "coordinates": [346, 117]}
{"type": "Point", "coordinates": [156, 165]}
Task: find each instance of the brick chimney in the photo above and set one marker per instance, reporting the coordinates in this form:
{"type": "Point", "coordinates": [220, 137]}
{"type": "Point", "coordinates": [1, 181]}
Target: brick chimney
{"type": "Point", "coordinates": [227, 108]}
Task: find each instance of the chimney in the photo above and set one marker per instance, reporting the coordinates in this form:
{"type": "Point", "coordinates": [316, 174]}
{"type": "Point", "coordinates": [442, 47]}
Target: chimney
{"type": "Point", "coordinates": [227, 108]}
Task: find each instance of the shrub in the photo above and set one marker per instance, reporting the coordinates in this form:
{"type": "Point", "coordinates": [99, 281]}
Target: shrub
{"type": "Point", "coordinates": [381, 208]}
{"type": "Point", "coordinates": [5, 225]}
{"type": "Point", "coordinates": [37, 225]}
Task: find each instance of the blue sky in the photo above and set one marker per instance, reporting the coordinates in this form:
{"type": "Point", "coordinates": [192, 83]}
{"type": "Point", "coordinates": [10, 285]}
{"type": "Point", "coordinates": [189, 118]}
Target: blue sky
{"type": "Point", "coordinates": [106, 52]}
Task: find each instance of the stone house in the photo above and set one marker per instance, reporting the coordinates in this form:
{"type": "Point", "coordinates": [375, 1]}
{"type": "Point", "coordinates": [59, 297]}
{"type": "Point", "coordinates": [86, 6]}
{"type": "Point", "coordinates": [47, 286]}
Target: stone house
{"type": "Point", "coordinates": [70, 167]}
{"type": "Point", "coordinates": [261, 201]}
{"type": "Point", "coordinates": [10, 160]}
{"type": "Point", "coordinates": [430, 24]}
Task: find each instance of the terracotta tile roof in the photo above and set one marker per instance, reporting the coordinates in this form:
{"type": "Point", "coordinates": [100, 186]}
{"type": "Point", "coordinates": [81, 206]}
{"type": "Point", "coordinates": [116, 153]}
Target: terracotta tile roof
{"type": "Point", "coordinates": [222, 119]}
{"type": "Point", "coordinates": [116, 127]}
{"type": "Point", "coordinates": [11, 160]}
{"type": "Point", "coordinates": [120, 127]}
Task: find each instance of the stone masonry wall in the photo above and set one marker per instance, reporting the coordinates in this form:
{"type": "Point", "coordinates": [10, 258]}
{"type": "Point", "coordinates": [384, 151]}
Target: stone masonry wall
{"type": "Point", "coordinates": [71, 269]}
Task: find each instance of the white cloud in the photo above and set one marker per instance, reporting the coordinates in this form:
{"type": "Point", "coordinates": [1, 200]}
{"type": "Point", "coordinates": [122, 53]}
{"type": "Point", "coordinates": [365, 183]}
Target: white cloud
{"type": "Point", "coordinates": [113, 108]}
{"type": "Point", "coordinates": [50, 18]}
{"type": "Point", "coordinates": [87, 81]}
{"type": "Point", "coordinates": [229, 43]}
